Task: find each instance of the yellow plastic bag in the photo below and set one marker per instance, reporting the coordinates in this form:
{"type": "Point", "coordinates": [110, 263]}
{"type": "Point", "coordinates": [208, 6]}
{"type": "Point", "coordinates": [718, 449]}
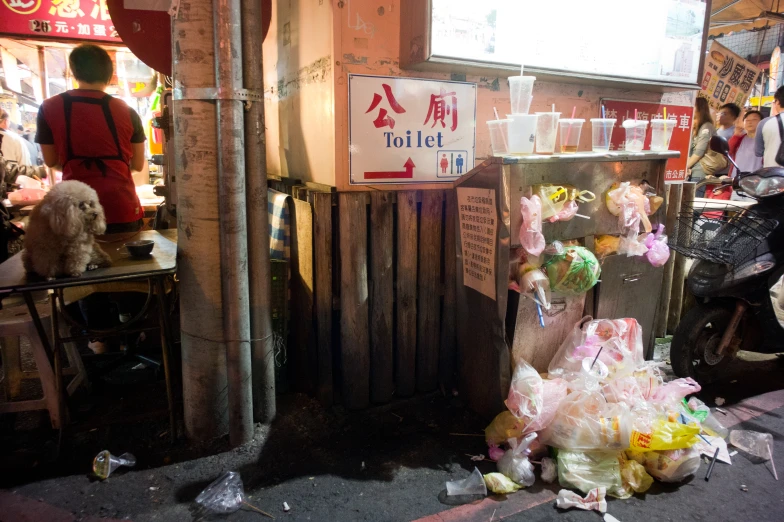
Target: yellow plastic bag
{"type": "Point", "coordinates": [606, 246]}
{"type": "Point", "coordinates": [666, 435]}
{"type": "Point", "coordinates": [505, 426]}
{"type": "Point", "coordinates": [500, 484]}
{"type": "Point", "coordinates": [634, 477]}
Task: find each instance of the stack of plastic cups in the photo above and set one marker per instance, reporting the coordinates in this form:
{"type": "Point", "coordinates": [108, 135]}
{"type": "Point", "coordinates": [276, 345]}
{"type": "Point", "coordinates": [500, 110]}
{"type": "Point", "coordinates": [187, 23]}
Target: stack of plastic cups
{"type": "Point", "coordinates": [522, 126]}
{"type": "Point", "coordinates": [499, 136]}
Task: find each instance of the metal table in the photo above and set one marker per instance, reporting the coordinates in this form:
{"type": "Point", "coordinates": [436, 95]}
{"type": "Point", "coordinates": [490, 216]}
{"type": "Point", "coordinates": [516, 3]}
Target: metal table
{"type": "Point", "coordinates": [155, 269]}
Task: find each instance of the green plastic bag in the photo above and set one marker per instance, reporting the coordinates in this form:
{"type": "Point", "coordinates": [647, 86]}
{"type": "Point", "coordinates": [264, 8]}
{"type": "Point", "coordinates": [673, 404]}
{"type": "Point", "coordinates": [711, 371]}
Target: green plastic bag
{"type": "Point", "coordinates": [574, 272]}
{"type": "Point", "coordinates": [586, 470]}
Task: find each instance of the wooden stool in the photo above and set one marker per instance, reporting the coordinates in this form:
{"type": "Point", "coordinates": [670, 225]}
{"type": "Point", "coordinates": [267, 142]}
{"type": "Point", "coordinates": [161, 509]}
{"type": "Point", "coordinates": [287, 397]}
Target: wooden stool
{"type": "Point", "coordinates": [15, 322]}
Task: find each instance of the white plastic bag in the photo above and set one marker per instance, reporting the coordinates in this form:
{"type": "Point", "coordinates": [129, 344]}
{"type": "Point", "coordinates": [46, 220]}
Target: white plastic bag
{"type": "Point", "coordinates": [668, 466]}
{"type": "Point", "coordinates": [594, 500]}
{"type": "Point", "coordinates": [526, 394]}
{"type": "Point", "coordinates": [515, 465]}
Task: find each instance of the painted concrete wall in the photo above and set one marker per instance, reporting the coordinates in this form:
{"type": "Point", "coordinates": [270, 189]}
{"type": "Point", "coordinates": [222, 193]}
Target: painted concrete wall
{"type": "Point", "coordinates": [298, 89]}
{"type": "Point", "coordinates": [366, 40]}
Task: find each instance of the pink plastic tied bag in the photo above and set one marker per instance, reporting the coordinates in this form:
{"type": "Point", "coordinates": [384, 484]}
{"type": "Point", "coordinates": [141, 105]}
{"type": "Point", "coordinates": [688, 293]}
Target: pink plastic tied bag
{"type": "Point", "coordinates": [567, 212]}
{"type": "Point", "coordinates": [633, 205]}
{"type": "Point", "coordinates": [616, 342]}
{"type": "Point", "coordinates": [531, 237]}
{"type": "Point", "coordinates": [674, 391]}
{"type": "Point", "coordinates": [658, 251]}
{"type": "Point", "coordinates": [526, 393]}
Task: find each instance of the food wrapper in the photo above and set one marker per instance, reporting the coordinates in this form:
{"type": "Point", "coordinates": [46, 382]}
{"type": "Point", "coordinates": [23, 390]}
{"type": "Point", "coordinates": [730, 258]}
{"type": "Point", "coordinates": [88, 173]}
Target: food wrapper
{"type": "Point", "coordinates": [594, 500]}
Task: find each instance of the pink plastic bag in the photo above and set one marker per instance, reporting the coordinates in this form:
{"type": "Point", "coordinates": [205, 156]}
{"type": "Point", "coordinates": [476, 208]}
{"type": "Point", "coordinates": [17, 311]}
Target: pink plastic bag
{"type": "Point", "coordinates": [567, 212]}
{"type": "Point", "coordinates": [676, 390]}
{"type": "Point", "coordinates": [624, 390]}
{"type": "Point", "coordinates": [658, 251]}
{"type": "Point", "coordinates": [531, 237]}
{"type": "Point", "coordinates": [554, 392]}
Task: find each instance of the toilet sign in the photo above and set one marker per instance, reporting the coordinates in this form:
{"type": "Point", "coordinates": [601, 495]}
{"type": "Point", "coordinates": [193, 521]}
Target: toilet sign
{"type": "Point", "coordinates": [405, 130]}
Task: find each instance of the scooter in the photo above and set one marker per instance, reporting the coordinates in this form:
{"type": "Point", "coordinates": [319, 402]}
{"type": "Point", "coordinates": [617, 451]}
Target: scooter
{"type": "Point", "coordinates": [739, 260]}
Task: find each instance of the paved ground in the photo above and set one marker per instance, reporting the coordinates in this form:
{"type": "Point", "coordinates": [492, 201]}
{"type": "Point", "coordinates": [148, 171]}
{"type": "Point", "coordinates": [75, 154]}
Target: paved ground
{"type": "Point", "coordinates": [392, 463]}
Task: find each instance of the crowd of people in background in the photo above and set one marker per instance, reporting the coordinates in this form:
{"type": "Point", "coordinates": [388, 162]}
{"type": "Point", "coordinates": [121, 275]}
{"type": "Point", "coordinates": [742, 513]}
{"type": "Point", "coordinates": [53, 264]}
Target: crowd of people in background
{"type": "Point", "coordinates": [753, 144]}
{"type": "Point", "coordinates": [16, 144]}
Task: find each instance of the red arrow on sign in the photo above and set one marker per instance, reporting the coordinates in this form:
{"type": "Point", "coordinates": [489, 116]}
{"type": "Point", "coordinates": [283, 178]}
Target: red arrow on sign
{"type": "Point", "coordinates": [408, 173]}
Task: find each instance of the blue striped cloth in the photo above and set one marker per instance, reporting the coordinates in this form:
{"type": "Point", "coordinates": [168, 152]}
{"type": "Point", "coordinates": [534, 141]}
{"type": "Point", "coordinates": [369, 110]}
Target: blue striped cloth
{"type": "Point", "coordinates": [279, 225]}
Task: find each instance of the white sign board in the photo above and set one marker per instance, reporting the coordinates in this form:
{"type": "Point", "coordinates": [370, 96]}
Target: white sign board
{"type": "Point", "coordinates": [404, 130]}
{"type": "Point", "coordinates": [478, 224]}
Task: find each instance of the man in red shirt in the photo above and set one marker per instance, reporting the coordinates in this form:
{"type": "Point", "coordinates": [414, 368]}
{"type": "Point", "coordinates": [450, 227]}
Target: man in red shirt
{"type": "Point", "coordinates": [95, 138]}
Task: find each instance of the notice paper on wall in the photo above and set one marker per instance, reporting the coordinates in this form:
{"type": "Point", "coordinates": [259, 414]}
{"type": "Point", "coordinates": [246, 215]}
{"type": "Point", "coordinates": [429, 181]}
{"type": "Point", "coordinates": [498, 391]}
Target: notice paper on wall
{"type": "Point", "coordinates": [478, 221]}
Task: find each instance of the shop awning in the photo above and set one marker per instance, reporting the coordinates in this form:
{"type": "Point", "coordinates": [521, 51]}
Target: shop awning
{"type": "Point", "coordinates": [742, 15]}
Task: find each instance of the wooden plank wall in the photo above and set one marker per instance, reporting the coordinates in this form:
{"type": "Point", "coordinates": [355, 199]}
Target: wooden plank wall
{"type": "Point", "coordinates": [373, 308]}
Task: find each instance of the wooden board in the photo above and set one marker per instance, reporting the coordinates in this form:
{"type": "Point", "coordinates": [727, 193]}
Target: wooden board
{"type": "Point", "coordinates": [322, 232]}
{"type": "Point", "coordinates": [382, 384]}
{"type": "Point", "coordinates": [538, 345]}
{"type": "Point", "coordinates": [355, 342]}
{"type": "Point", "coordinates": [428, 316]}
{"type": "Point", "coordinates": [406, 327]}
{"type": "Point", "coordinates": [679, 271]}
{"type": "Point", "coordinates": [447, 356]}
{"type": "Point", "coordinates": [673, 202]}
{"type": "Point", "coordinates": [302, 334]}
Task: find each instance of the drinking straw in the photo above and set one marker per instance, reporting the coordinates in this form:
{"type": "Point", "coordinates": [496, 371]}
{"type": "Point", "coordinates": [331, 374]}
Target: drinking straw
{"type": "Point", "coordinates": [555, 123]}
{"type": "Point", "coordinates": [597, 357]}
{"type": "Point", "coordinates": [770, 454]}
{"type": "Point", "coordinates": [582, 216]}
{"type": "Point", "coordinates": [703, 438]}
{"type": "Point", "coordinates": [635, 114]}
{"type": "Point", "coordinates": [496, 113]}
{"type": "Point", "coordinates": [541, 317]}
{"type": "Point", "coordinates": [713, 463]}
{"type": "Point", "coordinates": [606, 138]}
{"type": "Point", "coordinates": [569, 129]}
{"type": "Point", "coordinates": [503, 138]}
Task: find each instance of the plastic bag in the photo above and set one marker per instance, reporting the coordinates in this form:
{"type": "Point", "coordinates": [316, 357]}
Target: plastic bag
{"type": "Point", "coordinates": [515, 465]}
{"type": "Point", "coordinates": [658, 251]}
{"type": "Point", "coordinates": [549, 470]}
{"type": "Point", "coordinates": [531, 237]}
{"type": "Point", "coordinates": [606, 245]}
{"type": "Point", "coordinates": [500, 484]}
{"type": "Point", "coordinates": [504, 426]}
{"type": "Point", "coordinates": [586, 470]}
{"type": "Point", "coordinates": [566, 213]}
{"type": "Point", "coordinates": [624, 390]}
{"type": "Point", "coordinates": [665, 435]}
{"type": "Point", "coordinates": [668, 466]}
{"type": "Point", "coordinates": [495, 453]}
{"type": "Point", "coordinates": [473, 485]}
{"type": "Point", "coordinates": [554, 391]}
{"type": "Point", "coordinates": [104, 464]}
{"type": "Point", "coordinates": [674, 391]}
{"type": "Point", "coordinates": [620, 342]}
{"type": "Point", "coordinates": [594, 500]}
{"type": "Point", "coordinates": [634, 477]}
{"type": "Point", "coordinates": [585, 421]}
{"type": "Point", "coordinates": [574, 272]}
{"type": "Point", "coordinates": [526, 396]}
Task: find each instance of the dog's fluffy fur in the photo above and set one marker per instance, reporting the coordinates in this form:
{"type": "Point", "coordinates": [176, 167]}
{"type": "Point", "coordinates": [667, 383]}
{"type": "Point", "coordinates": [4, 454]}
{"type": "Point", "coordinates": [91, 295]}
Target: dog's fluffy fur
{"type": "Point", "coordinates": [59, 239]}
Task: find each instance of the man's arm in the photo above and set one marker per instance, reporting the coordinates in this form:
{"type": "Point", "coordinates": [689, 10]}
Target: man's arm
{"type": "Point", "coordinates": [45, 138]}
{"type": "Point", "coordinates": [51, 158]}
{"type": "Point", "coordinates": [138, 160]}
{"type": "Point", "coordinates": [137, 143]}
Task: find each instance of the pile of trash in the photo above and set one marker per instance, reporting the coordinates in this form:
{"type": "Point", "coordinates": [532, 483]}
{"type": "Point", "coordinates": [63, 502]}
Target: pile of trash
{"type": "Point", "coordinates": [602, 422]}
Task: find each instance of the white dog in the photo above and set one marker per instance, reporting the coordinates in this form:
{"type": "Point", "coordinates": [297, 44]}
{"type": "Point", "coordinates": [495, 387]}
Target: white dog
{"type": "Point", "coordinates": [59, 239]}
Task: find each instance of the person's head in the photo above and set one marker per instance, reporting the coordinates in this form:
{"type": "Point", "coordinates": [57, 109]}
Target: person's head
{"type": "Point", "coordinates": [5, 119]}
{"type": "Point", "coordinates": [778, 101]}
{"type": "Point", "coordinates": [19, 129]}
{"type": "Point", "coordinates": [750, 121]}
{"type": "Point", "coordinates": [701, 114]}
{"type": "Point", "coordinates": [727, 115]}
{"type": "Point", "coordinates": [91, 66]}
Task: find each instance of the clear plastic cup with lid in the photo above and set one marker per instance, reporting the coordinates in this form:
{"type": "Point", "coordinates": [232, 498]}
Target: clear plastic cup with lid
{"type": "Point", "coordinates": [635, 134]}
{"type": "Point", "coordinates": [499, 136]}
{"type": "Point", "coordinates": [570, 134]}
{"type": "Point", "coordinates": [661, 133]}
{"type": "Point", "coordinates": [601, 134]}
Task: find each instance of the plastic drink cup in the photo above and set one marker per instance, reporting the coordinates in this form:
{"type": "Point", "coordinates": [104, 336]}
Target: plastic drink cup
{"type": "Point", "coordinates": [601, 134]}
{"type": "Point", "coordinates": [521, 92]}
{"type": "Point", "coordinates": [522, 133]}
{"type": "Point", "coordinates": [661, 132]}
{"type": "Point", "coordinates": [546, 130]}
{"type": "Point", "coordinates": [635, 134]}
{"type": "Point", "coordinates": [499, 136]}
{"type": "Point", "coordinates": [570, 134]}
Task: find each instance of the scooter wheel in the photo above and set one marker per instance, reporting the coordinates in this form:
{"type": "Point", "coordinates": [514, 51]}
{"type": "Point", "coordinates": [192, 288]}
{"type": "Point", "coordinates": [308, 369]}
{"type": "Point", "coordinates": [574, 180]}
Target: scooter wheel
{"type": "Point", "coordinates": [696, 341]}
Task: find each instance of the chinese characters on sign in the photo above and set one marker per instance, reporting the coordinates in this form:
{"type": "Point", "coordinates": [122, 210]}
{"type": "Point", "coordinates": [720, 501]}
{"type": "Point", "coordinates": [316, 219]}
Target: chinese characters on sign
{"type": "Point", "coordinates": [478, 223]}
{"type": "Point", "coordinates": [60, 19]}
{"type": "Point", "coordinates": [404, 130]}
{"type": "Point", "coordinates": [728, 78]}
{"type": "Point", "coordinates": [680, 116]}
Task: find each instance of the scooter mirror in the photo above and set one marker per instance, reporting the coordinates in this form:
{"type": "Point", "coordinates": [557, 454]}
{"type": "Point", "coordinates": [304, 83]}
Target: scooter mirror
{"type": "Point", "coordinates": [720, 145]}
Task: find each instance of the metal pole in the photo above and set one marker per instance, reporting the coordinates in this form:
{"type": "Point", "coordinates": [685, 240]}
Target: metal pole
{"type": "Point", "coordinates": [263, 350]}
{"type": "Point", "coordinates": [198, 264]}
{"type": "Point", "coordinates": [42, 72]}
{"type": "Point", "coordinates": [233, 220]}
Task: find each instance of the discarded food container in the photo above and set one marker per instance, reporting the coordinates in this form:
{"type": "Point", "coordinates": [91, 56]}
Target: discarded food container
{"type": "Point", "coordinates": [546, 130]}
{"type": "Point", "coordinates": [226, 495]}
{"type": "Point", "coordinates": [570, 134]}
{"type": "Point", "coordinates": [499, 136]}
{"type": "Point", "coordinates": [635, 134]}
{"type": "Point", "coordinates": [521, 93]}
{"type": "Point", "coordinates": [522, 133]}
{"type": "Point", "coordinates": [661, 133]}
{"type": "Point", "coordinates": [104, 464]}
{"type": "Point", "coordinates": [473, 485]}
{"type": "Point", "coordinates": [601, 133]}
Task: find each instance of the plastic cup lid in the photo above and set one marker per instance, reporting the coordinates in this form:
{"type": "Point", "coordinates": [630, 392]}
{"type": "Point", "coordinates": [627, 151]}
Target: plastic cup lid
{"type": "Point", "coordinates": [635, 123]}
{"type": "Point", "coordinates": [556, 113]}
{"type": "Point", "coordinates": [613, 120]}
{"type": "Point", "coordinates": [497, 121]}
{"type": "Point", "coordinates": [520, 115]}
{"type": "Point", "coordinates": [570, 120]}
{"type": "Point", "coordinates": [519, 78]}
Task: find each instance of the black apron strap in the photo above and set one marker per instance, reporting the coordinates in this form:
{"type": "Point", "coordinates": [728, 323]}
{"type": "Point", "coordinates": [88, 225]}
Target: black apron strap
{"type": "Point", "coordinates": [90, 161]}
